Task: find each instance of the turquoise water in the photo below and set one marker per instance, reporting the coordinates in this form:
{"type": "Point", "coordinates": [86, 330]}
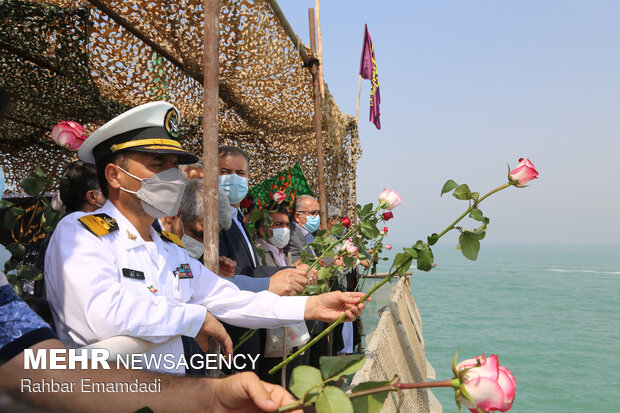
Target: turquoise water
{"type": "Point", "coordinates": [552, 314]}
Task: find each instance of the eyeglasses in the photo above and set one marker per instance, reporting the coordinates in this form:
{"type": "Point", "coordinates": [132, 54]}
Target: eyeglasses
{"type": "Point", "coordinates": [311, 213]}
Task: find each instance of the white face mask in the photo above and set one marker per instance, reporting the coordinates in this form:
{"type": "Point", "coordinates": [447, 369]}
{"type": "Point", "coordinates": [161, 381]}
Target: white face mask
{"type": "Point", "coordinates": [160, 194]}
{"type": "Point", "coordinates": [281, 237]}
{"type": "Point", "coordinates": [235, 186]}
{"type": "Point", "coordinates": [194, 248]}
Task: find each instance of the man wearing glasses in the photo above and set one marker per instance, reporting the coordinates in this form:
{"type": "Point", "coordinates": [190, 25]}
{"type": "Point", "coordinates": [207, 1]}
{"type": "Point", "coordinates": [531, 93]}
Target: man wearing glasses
{"type": "Point", "coordinates": [305, 221]}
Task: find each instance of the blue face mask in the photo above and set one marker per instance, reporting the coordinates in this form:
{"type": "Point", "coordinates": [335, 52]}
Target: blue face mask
{"type": "Point", "coordinates": [1, 182]}
{"type": "Point", "coordinates": [235, 186]}
{"type": "Point", "coordinates": [312, 223]}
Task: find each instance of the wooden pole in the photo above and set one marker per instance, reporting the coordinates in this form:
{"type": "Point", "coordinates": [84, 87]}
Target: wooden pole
{"type": "Point", "coordinates": [210, 133]}
{"type": "Point", "coordinates": [319, 47]}
{"type": "Point", "coordinates": [357, 111]}
{"type": "Point", "coordinates": [316, 92]}
{"type": "Point", "coordinates": [318, 122]}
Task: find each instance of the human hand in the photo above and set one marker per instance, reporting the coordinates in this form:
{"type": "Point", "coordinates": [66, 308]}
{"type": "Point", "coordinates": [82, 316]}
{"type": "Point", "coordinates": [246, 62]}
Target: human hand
{"type": "Point", "coordinates": [212, 327]}
{"type": "Point", "coordinates": [311, 275]}
{"type": "Point", "coordinates": [289, 281]}
{"type": "Point", "coordinates": [244, 392]}
{"type": "Point", "coordinates": [329, 306]}
{"type": "Point", "coordinates": [227, 267]}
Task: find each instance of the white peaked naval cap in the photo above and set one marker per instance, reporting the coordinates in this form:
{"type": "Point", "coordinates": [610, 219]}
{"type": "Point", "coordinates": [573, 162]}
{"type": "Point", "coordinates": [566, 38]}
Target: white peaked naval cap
{"type": "Point", "coordinates": [152, 127]}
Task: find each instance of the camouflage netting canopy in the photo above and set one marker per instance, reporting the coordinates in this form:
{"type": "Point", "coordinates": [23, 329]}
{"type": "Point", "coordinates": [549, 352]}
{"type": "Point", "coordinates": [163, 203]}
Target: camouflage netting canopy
{"type": "Point", "coordinates": [90, 60]}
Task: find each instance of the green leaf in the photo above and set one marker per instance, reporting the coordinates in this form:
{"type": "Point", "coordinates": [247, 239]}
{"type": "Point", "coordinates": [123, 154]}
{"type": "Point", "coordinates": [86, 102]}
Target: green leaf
{"type": "Point", "coordinates": [50, 219]}
{"type": "Point", "coordinates": [402, 262]}
{"type": "Point", "coordinates": [26, 272]}
{"type": "Point", "coordinates": [303, 379]}
{"type": "Point", "coordinates": [432, 240]}
{"type": "Point", "coordinates": [448, 186]}
{"type": "Point", "coordinates": [341, 365]}
{"type": "Point", "coordinates": [33, 185]}
{"type": "Point", "coordinates": [324, 274]}
{"type": "Point", "coordinates": [373, 403]}
{"type": "Point", "coordinates": [462, 192]}
{"type": "Point", "coordinates": [333, 400]}
{"type": "Point", "coordinates": [477, 215]}
{"type": "Point", "coordinates": [425, 259]}
{"type": "Point", "coordinates": [9, 222]}
{"type": "Point", "coordinates": [39, 172]}
{"type": "Point", "coordinates": [4, 204]}
{"type": "Point", "coordinates": [313, 289]}
{"type": "Point", "coordinates": [412, 252]}
{"type": "Point", "coordinates": [419, 245]}
{"type": "Point", "coordinates": [17, 250]}
{"type": "Point", "coordinates": [469, 243]}
{"type": "Point", "coordinates": [369, 229]}
{"type": "Point", "coordinates": [337, 229]}
{"type": "Point", "coordinates": [10, 265]}
{"type": "Point", "coordinates": [475, 196]}
{"type": "Point", "coordinates": [365, 211]}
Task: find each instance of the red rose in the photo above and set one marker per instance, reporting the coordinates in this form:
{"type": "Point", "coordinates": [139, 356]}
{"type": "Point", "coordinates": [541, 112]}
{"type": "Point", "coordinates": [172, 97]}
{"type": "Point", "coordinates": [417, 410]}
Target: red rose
{"type": "Point", "coordinates": [388, 215]}
{"type": "Point", "coordinates": [345, 221]}
{"type": "Point", "coordinates": [245, 203]}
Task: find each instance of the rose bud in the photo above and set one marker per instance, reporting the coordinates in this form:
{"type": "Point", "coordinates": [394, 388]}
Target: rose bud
{"type": "Point", "coordinates": [388, 246]}
{"type": "Point", "coordinates": [523, 173]}
{"type": "Point", "coordinates": [491, 386]}
{"type": "Point", "coordinates": [385, 229]}
{"type": "Point", "coordinates": [69, 135]}
{"type": "Point", "coordinates": [389, 199]}
{"type": "Point", "coordinates": [388, 215]}
{"type": "Point", "coordinates": [346, 221]}
{"type": "Point", "coordinates": [279, 197]}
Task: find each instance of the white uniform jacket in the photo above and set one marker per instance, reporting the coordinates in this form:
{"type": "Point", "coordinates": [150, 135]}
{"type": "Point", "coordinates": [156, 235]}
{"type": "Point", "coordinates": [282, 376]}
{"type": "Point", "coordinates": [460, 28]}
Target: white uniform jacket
{"type": "Point", "coordinates": [118, 284]}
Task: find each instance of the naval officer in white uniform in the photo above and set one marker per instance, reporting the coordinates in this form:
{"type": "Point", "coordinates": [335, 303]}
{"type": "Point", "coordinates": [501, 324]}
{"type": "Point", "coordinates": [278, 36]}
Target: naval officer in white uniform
{"type": "Point", "coordinates": [110, 273]}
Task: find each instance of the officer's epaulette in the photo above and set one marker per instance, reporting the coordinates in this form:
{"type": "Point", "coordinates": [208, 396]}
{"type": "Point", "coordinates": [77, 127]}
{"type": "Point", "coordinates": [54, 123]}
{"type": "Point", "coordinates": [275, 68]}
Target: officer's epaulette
{"type": "Point", "coordinates": [167, 236]}
{"type": "Point", "coordinates": [99, 224]}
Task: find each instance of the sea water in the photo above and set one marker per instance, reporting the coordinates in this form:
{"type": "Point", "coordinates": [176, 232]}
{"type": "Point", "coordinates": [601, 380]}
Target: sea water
{"type": "Point", "coordinates": [551, 314]}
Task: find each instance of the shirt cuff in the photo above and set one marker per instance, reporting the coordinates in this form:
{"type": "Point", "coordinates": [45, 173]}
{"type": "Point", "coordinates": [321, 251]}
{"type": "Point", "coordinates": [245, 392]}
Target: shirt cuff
{"type": "Point", "coordinates": [194, 319]}
{"type": "Point", "coordinates": [292, 310]}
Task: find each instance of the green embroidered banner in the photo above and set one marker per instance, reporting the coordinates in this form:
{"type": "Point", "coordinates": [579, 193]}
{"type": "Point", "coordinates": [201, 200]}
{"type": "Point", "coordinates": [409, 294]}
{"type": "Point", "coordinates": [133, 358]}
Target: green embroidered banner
{"type": "Point", "coordinates": [292, 182]}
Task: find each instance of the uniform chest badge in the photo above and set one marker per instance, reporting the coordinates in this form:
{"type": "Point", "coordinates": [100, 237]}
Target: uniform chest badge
{"type": "Point", "coordinates": [184, 271]}
{"type": "Point", "coordinates": [135, 274]}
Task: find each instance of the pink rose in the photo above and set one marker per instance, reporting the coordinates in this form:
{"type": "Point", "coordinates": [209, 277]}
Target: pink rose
{"type": "Point", "coordinates": [350, 247]}
{"type": "Point", "coordinates": [279, 197]}
{"type": "Point", "coordinates": [385, 229]}
{"type": "Point", "coordinates": [524, 172]}
{"type": "Point", "coordinates": [388, 215]}
{"type": "Point", "coordinates": [388, 246]}
{"type": "Point", "coordinates": [346, 221]}
{"type": "Point", "coordinates": [389, 198]}
{"type": "Point", "coordinates": [69, 135]}
{"type": "Point", "coordinates": [491, 386]}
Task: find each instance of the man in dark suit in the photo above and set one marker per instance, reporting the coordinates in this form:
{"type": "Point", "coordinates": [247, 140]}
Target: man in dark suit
{"type": "Point", "coordinates": [236, 244]}
{"type": "Point", "coordinates": [305, 220]}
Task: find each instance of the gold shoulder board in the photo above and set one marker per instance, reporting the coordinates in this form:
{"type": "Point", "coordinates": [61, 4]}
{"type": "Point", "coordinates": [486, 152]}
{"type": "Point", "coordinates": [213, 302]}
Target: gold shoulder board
{"type": "Point", "coordinates": [99, 224]}
{"type": "Point", "coordinates": [167, 236]}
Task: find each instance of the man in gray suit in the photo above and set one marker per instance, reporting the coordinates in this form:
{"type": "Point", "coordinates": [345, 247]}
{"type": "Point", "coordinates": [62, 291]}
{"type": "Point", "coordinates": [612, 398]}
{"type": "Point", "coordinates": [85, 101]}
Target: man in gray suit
{"type": "Point", "coordinates": [305, 220]}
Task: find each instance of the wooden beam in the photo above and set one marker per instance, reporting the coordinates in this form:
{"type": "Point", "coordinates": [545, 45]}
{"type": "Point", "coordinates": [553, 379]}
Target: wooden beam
{"type": "Point", "coordinates": [318, 122]}
{"type": "Point", "coordinates": [210, 221]}
{"type": "Point", "coordinates": [277, 11]}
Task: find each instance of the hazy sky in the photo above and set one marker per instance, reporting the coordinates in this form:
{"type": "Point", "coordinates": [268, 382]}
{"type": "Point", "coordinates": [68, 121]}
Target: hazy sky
{"type": "Point", "coordinates": [468, 86]}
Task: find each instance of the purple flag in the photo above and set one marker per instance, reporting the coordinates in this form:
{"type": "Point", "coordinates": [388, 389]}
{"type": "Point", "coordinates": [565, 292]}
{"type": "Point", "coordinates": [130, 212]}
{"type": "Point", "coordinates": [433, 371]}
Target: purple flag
{"type": "Point", "coordinates": [368, 70]}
